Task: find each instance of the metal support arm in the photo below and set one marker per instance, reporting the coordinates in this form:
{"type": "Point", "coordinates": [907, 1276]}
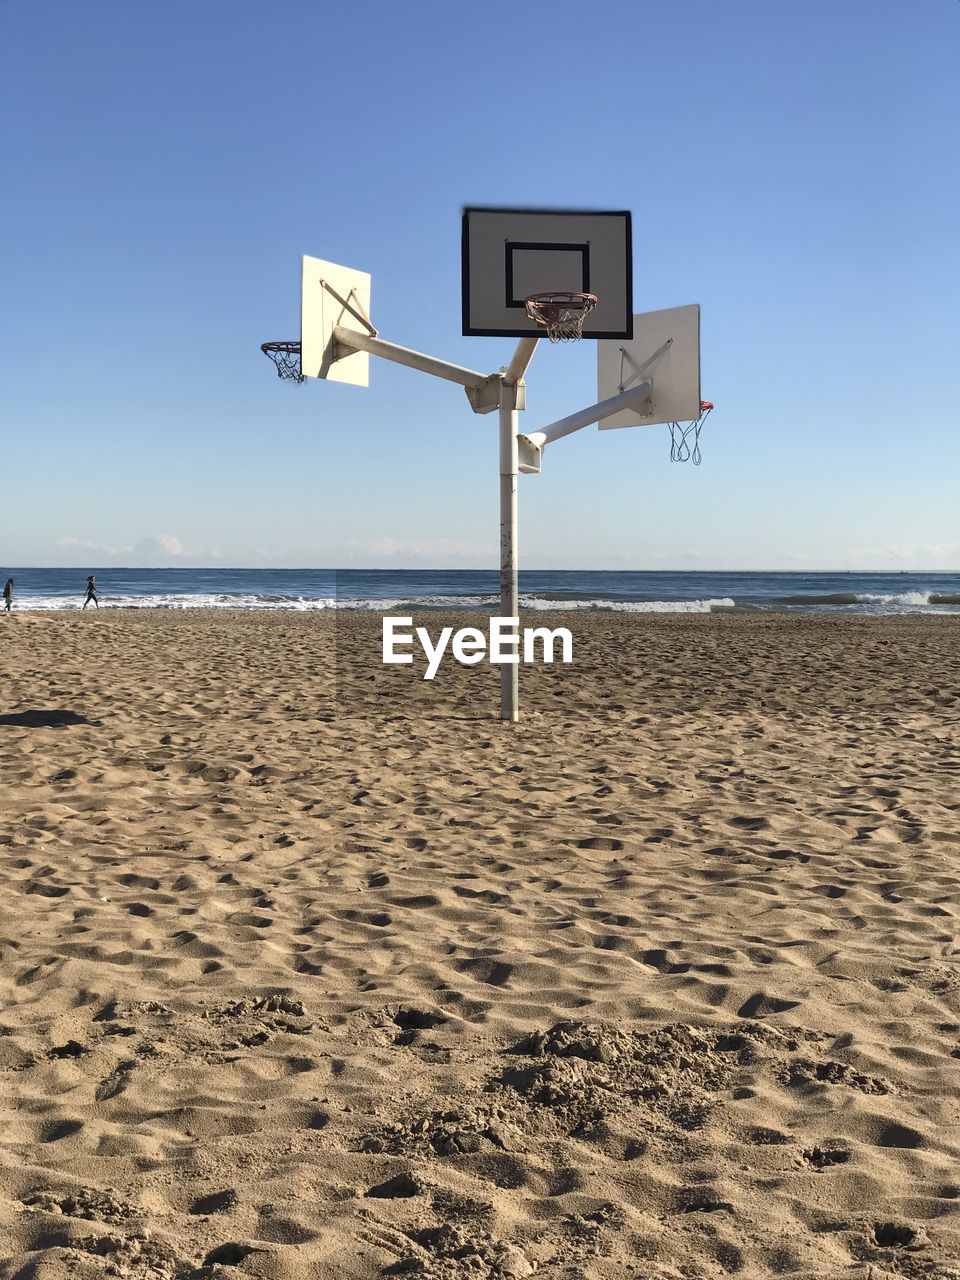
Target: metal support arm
{"type": "Point", "coordinates": [596, 413]}
{"type": "Point", "coordinates": [353, 340]}
{"type": "Point", "coordinates": [521, 360]}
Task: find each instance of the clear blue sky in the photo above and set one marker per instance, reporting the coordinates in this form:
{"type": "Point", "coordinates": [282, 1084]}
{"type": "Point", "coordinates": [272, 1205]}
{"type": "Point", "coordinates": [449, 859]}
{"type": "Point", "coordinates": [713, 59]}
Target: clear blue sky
{"type": "Point", "coordinates": [793, 167]}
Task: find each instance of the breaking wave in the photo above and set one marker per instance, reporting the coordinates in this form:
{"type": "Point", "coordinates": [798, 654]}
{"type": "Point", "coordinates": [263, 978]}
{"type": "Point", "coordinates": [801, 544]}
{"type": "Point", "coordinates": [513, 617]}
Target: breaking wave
{"type": "Point", "coordinates": [534, 603]}
{"type": "Point", "coordinates": [883, 601]}
{"type": "Point", "coordinates": [450, 603]}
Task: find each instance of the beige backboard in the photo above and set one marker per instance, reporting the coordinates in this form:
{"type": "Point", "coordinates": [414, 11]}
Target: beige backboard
{"type": "Point", "coordinates": [332, 295]}
{"type": "Point", "coordinates": [666, 348]}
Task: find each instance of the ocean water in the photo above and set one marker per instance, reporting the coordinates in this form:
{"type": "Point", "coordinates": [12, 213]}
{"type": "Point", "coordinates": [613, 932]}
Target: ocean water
{"type": "Point", "coordinates": [393, 590]}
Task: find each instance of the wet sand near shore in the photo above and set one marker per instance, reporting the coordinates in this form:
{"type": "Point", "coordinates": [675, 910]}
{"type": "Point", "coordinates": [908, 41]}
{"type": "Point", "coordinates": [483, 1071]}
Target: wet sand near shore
{"type": "Point", "coordinates": [311, 968]}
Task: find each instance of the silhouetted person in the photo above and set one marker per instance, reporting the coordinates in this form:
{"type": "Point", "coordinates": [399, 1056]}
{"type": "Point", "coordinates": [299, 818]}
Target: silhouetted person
{"type": "Point", "coordinates": [91, 593]}
{"type": "Point", "coordinates": [8, 595]}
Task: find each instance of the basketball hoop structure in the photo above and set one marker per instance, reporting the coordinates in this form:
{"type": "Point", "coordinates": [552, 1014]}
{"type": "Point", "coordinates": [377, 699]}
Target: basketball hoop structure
{"type": "Point", "coordinates": [685, 440]}
{"type": "Point", "coordinates": [286, 356]}
{"type": "Point", "coordinates": [525, 274]}
{"type": "Point", "coordinates": [561, 314]}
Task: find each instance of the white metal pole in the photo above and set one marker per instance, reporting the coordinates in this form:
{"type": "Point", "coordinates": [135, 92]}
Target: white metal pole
{"type": "Point", "coordinates": [509, 592]}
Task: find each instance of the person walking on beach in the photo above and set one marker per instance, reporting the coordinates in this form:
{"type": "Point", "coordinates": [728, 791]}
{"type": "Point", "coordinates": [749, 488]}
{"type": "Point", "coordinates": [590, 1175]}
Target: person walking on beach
{"type": "Point", "coordinates": [91, 593]}
{"type": "Point", "coordinates": [8, 595]}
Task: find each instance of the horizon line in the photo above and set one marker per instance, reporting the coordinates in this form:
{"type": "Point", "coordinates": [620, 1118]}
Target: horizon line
{"type": "Point", "coordinates": [240, 568]}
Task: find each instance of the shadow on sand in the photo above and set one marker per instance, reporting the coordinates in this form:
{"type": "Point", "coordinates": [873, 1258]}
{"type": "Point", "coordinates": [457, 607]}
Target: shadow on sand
{"type": "Point", "coordinates": [45, 719]}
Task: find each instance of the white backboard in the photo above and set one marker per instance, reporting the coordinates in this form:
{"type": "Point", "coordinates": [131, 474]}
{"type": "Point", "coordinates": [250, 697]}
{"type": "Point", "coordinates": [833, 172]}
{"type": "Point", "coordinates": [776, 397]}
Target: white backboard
{"type": "Point", "coordinates": [509, 254]}
{"type": "Point", "coordinates": [666, 348]}
{"type": "Point", "coordinates": [325, 292]}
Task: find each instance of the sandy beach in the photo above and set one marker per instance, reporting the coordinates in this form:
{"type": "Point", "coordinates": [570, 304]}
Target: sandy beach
{"type": "Point", "coordinates": [311, 968]}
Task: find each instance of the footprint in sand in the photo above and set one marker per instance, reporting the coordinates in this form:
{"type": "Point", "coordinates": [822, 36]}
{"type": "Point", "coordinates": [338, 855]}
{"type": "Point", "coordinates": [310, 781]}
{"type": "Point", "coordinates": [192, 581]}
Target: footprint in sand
{"type": "Point", "coordinates": [216, 1202]}
{"type": "Point", "coordinates": [409, 1018]}
{"type": "Point", "coordinates": [231, 1254]}
{"type": "Point", "coordinates": [57, 1130]}
{"type": "Point", "coordinates": [72, 1049]}
{"type": "Point", "coordinates": [603, 843]}
{"type": "Point", "coordinates": [760, 1004]}
{"type": "Point", "coordinates": [399, 1187]}
{"type": "Point", "coordinates": [746, 823]}
{"type": "Point", "coordinates": [115, 1083]}
{"type": "Point", "coordinates": [763, 1137]}
{"type": "Point", "coordinates": [894, 1235]}
{"type": "Point", "coordinates": [824, 1157]}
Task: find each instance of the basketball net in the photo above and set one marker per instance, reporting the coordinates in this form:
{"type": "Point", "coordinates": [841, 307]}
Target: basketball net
{"type": "Point", "coordinates": [286, 356]}
{"type": "Point", "coordinates": [685, 439]}
{"type": "Point", "coordinates": [561, 314]}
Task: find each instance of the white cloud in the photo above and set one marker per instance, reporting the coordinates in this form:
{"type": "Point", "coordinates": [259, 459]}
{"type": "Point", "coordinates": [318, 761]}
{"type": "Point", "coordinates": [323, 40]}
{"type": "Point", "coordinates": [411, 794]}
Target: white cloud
{"type": "Point", "coordinates": [83, 544]}
{"type": "Point", "coordinates": [916, 556]}
{"type": "Point", "coordinates": [426, 551]}
{"type": "Point", "coordinates": [153, 548]}
{"type": "Point", "coordinates": [162, 544]}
